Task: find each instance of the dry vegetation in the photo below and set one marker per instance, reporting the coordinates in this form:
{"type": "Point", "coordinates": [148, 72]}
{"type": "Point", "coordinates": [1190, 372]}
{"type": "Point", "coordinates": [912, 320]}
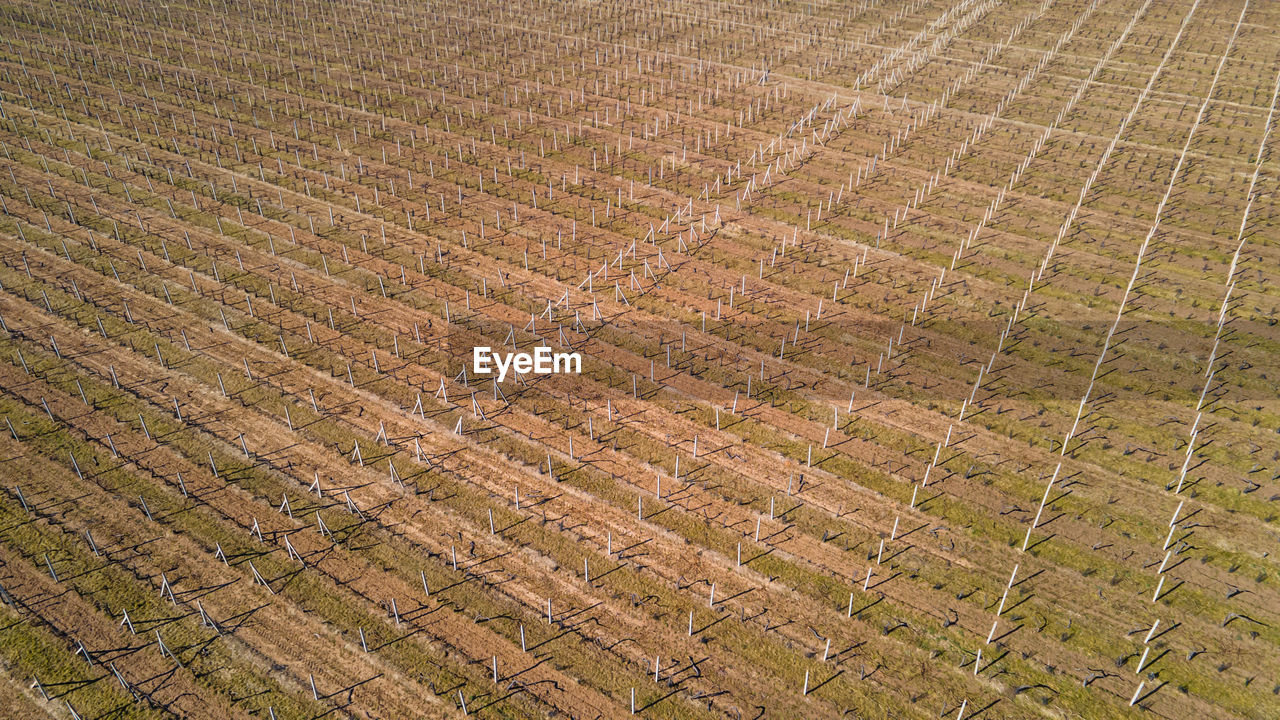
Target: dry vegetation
{"type": "Point", "coordinates": [929, 359]}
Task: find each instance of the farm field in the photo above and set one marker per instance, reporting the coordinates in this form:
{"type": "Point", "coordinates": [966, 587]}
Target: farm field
{"type": "Point", "coordinates": [928, 359]}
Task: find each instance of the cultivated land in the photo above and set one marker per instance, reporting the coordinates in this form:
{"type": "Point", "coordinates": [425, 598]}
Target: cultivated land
{"type": "Point", "coordinates": [929, 359]}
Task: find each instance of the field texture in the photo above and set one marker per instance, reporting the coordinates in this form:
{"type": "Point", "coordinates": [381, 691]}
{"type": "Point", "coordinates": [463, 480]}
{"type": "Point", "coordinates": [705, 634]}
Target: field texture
{"type": "Point", "coordinates": [929, 359]}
